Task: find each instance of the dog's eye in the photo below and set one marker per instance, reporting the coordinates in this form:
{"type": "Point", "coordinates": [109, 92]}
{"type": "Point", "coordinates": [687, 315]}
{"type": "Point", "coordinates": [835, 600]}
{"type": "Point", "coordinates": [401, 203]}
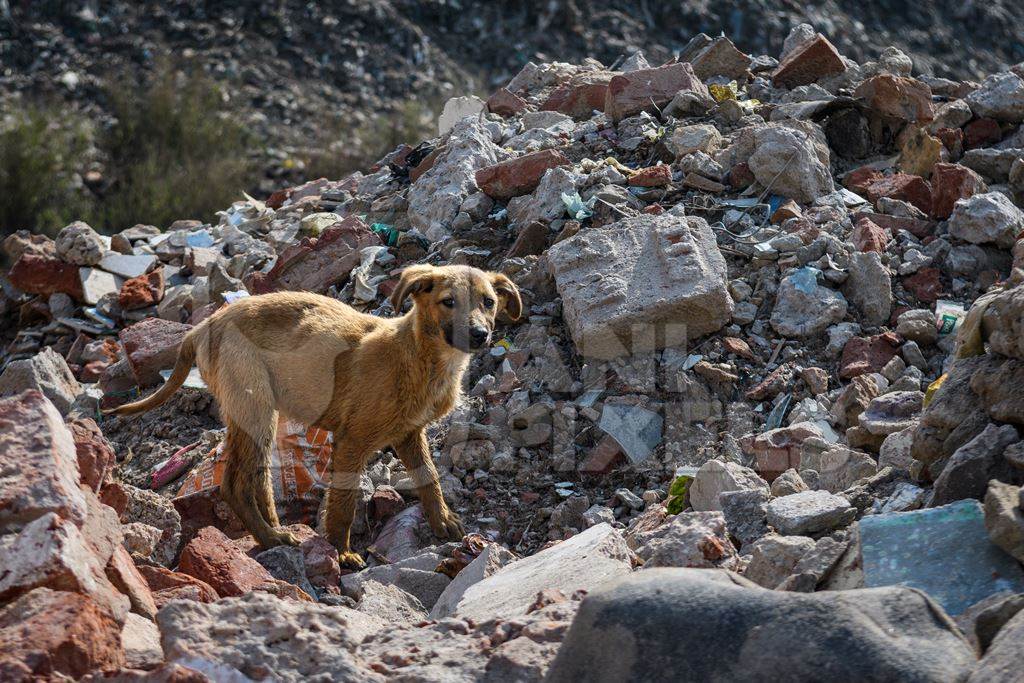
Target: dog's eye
{"type": "Point", "coordinates": [488, 302]}
{"type": "Point", "coordinates": [449, 302]}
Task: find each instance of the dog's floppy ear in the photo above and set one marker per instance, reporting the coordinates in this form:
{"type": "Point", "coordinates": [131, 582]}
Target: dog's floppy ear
{"type": "Point", "coordinates": [509, 295]}
{"type": "Point", "coordinates": [414, 279]}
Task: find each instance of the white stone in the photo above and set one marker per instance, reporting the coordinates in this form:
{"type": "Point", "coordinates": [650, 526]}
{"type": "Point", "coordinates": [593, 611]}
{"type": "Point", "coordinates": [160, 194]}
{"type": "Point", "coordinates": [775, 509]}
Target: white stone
{"type": "Point", "coordinates": [127, 266]}
{"type": "Point", "coordinates": [456, 109]}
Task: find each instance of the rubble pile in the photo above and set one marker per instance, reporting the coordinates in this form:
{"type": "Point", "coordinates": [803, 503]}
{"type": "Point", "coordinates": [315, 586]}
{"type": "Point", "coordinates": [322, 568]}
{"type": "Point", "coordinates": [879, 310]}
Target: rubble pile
{"type": "Point", "coordinates": [770, 351]}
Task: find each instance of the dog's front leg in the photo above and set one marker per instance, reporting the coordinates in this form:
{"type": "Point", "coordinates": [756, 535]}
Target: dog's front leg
{"type": "Point", "coordinates": [414, 452]}
{"type": "Point", "coordinates": [346, 468]}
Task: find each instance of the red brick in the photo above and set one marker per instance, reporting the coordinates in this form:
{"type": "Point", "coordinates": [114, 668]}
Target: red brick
{"type": "Point", "coordinates": [316, 263]}
{"type": "Point", "coordinates": [518, 176]}
{"type": "Point", "coordinates": [505, 103]}
{"type": "Point", "coordinates": [809, 64]}
{"type": "Point", "coordinates": [951, 182]}
{"type": "Point", "coordinates": [859, 179]}
{"type": "Point", "coordinates": [648, 89]}
{"type": "Point", "coordinates": [897, 97]}
{"type": "Point", "coordinates": [142, 291]}
{"type": "Point", "coordinates": [151, 345]}
{"type": "Point", "coordinates": [580, 96]}
{"type": "Point", "coordinates": [777, 450]}
{"type": "Point", "coordinates": [47, 634]}
{"type": "Point", "coordinates": [867, 354]}
{"type": "Point", "coordinates": [917, 227]}
{"type": "Point", "coordinates": [35, 274]}
{"type": "Point", "coordinates": [385, 503]}
{"type": "Point", "coordinates": [902, 186]}
{"type": "Point", "coordinates": [740, 176]}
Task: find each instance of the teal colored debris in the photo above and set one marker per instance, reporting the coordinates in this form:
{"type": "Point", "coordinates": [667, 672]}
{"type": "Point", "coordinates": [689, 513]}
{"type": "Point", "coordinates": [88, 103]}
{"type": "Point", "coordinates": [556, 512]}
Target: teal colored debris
{"type": "Point", "coordinates": [944, 551]}
{"type": "Point", "coordinates": [576, 207]}
{"type": "Point", "coordinates": [387, 233]}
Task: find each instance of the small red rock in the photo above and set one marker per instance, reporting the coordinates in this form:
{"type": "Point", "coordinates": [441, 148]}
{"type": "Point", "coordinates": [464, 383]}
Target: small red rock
{"type": "Point", "coordinates": [952, 140]}
{"type": "Point", "coordinates": [213, 558]}
{"type": "Point", "coordinates": [505, 103]}
{"type": "Point", "coordinates": [518, 176]}
{"type": "Point", "coordinates": [869, 236]}
{"type": "Point", "coordinates": [385, 502]}
{"type": "Point", "coordinates": [603, 457]}
{"type": "Point", "coordinates": [859, 179]}
{"type": "Point", "coordinates": [902, 186]}
{"type": "Point", "coordinates": [49, 635]}
{"type": "Point", "coordinates": [925, 284]}
{"type": "Point", "coordinates": [151, 345]}
{"type": "Point", "coordinates": [142, 291]}
{"type": "Point", "coordinates": [952, 182]}
{"type": "Point", "coordinates": [898, 97]}
{"type": "Point", "coordinates": [740, 176]}
{"type": "Point", "coordinates": [580, 96]}
{"type": "Point", "coordinates": [126, 578]}
{"type": "Point", "coordinates": [651, 176]}
{"type": "Point", "coordinates": [867, 354]}
{"type": "Point", "coordinates": [982, 133]}
{"type": "Point", "coordinates": [167, 585]}
{"type": "Point", "coordinates": [649, 89]}
{"type": "Point", "coordinates": [35, 274]}
{"type": "Point", "coordinates": [95, 456]}
{"type": "Point", "coordinates": [808, 64]}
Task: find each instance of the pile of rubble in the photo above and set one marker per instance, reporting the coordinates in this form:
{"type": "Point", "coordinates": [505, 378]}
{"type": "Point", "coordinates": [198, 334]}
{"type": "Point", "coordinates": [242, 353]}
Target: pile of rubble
{"type": "Point", "coordinates": [772, 344]}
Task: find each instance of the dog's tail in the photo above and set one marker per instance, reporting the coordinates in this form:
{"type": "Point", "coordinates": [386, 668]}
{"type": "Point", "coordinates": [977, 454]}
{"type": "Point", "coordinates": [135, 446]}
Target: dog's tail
{"type": "Point", "coordinates": [186, 358]}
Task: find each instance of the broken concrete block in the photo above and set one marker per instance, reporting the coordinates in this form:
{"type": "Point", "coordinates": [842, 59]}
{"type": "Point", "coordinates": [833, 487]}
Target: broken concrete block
{"type": "Point", "coordinates": [716, 477]}
{"type": "Point", "coordinates": [943, 551]}
{"type": "Point", "coordinates": [641, 284]}
{"type": "Point", "coordinates": [490, 560]}
{"type": "Point", "coordinates": [637, 430]}
{"type": "Point", "coordinates": [809, 512]}
{"type": "Point", "coordinates": [46, 372]}
{"type": "Point", "coordinates": [151, 345]}
{"type": "Point", "coordinates": [585, 561]}
{"type": "Point", "coordinates": [38, 463]}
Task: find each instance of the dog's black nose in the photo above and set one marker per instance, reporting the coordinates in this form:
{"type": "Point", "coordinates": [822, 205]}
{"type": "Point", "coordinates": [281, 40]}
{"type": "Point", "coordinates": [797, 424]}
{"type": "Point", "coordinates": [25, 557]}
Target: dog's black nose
{"type": "Point", "coordinates": [478, 335]}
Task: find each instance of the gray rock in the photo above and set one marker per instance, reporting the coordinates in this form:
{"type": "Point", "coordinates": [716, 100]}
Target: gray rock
{"type": "Point", "coordinates": [79, 244]}
{"type": "Point", "coordinates": [127, 266]}
{"type": "Point", "coordinates": [989, 218]}
{"type": "Point", "coordinates": [435, 197]}
{"type": "Point", "coordinates": [1001, 662]}
{"type": "Point", "coordinates": [715, 477]}
{"type": "Point", "coordinates": [47, 372]}
{"type": "Point", "coordinates": [746, 514]}
{"type": "Point", "coordinates": [803, 308]}
{"type": "Point", "coordinates": [661, 624]}
{"type": "Point", "coordinates": [787, 483]}
{"type": "Point", "coordinates": [809, 512]}
{"type": "Point", "coordinates": [791, 163]}
{"type": "Point", "coordinates": [918, 325]}
{"type": "Point", "coordinates": [1004, 518]}
{"type": "Point", "coordinates": [140, 538]}
{"type": "Point", "coordinates": [641, 284]}
{"type": "Point", "coordinates": [869, 287]}
{"type": "Point", "coordinates": [262, 636]}
{"type": "Point", "coordinates": [415, 575]}
{"type": "Point", "coordinates": [690, 539]}
{"type": "Point", "coordinates": [815, 565]}
{"type": "Point", "coordinates": [891, 412]}
{"type": "Point", "coordinates": [488, 562]}
{"type": "Point", "coordinates": [895, 450]}
{"type": "Point", "coordinates": [836, 466]}
{"type": "Point", "coordinates": [991, 619]}
{"type": "Point", "coordinates": [140, 639]}
{"type": "Point", "coordinates": [969, 469]}
{"type": "Point", "coordinates": [1001, 97]}
{"type": "Point", "coordinates": [391, 604]}
{"type": "Point", "coordinates": [774, 557]}
{"type": "Point", "coordinates": [994, 164]}
{"type": "Point", "coordinates": [287, 563]}
{"type": "Point", "coordinates": [585, 561]}
{"type": "Point", "coordinates": [545, 203]}
{"type": "Point", "coordinates": [149, 507]}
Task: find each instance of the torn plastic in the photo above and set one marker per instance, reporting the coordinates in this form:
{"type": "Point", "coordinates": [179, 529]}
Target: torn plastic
{"type": "Point", "coordinates": [576, 207]}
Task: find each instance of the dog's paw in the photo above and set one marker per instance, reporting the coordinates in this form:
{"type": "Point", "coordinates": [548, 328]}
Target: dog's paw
{"type": "Point", "coordinates": [448, 525]}
{"type": "Point", "coordinates": [282, 537]}
{"type": "Point", "coordinates": [351, 560]}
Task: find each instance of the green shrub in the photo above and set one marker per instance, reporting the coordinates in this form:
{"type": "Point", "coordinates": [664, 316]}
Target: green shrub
{"type": "Point", "coordinates": [37, 181]}
{"type": "Point", "coordinates": [172, 152]}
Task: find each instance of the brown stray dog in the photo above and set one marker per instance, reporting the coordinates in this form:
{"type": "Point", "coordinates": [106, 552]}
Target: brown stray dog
{"type": "Point", "coordinates": [374, 382]}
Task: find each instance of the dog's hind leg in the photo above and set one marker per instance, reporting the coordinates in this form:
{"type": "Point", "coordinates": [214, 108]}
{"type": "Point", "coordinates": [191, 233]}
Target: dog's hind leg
{"type": "Point", "coordinates": [414, 452]}
{"type": "Point", "coordinates": [347, 461]}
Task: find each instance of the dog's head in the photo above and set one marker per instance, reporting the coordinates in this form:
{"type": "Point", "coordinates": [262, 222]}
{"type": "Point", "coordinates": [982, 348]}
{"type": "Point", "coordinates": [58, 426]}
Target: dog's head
{"type": "Point", "coordinates": [458, 303]}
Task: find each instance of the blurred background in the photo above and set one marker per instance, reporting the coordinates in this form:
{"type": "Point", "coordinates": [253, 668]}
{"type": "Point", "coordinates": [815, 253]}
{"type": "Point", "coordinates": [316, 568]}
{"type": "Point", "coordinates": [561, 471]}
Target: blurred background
{"type": "Point", "coordinates": [120, 113]}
